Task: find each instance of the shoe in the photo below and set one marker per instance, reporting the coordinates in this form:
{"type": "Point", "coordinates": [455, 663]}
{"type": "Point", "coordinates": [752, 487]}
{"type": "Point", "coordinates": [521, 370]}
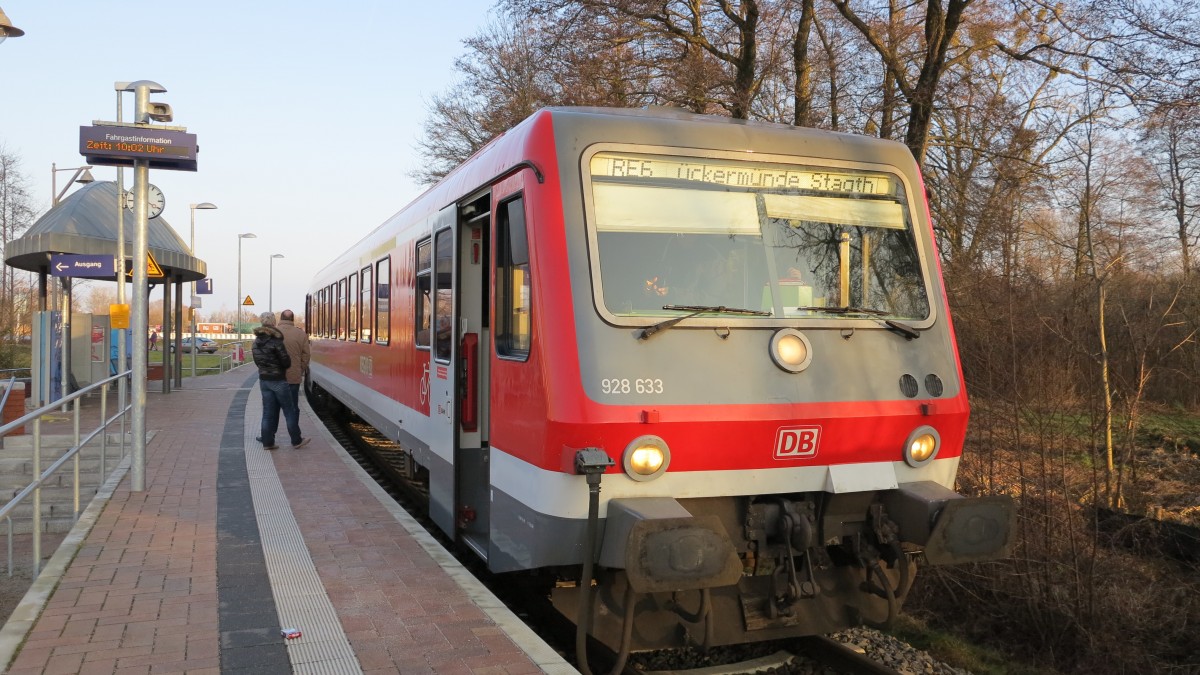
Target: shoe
{"type": "Point", "coordinates": [270, 447]}
{"type": "Point", "coordinates": [258, 438]}
{"type": "Point", "coordinates": [301, 444]}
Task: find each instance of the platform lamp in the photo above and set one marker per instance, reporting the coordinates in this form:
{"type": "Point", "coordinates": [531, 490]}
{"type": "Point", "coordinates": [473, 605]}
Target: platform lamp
{"type": "Point", "coordinates": [192, 250]}
{"type": "Point", "coordinates": [82, 176]}
{"type": "Point", "coordinates": [271, 283]}
{"type": "Point", "coordinates": [8, 30]}
{"type": "Point", "coordinates": [246, 235]}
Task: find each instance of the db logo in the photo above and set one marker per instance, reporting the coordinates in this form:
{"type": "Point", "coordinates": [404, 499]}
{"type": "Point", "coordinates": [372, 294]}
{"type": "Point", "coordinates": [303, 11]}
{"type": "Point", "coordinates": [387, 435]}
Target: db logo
{"type": "Point", "coordinates": [797, 442]}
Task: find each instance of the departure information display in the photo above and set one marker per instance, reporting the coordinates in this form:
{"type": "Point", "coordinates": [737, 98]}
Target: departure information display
{"type": "Point", "coordinates": [120, 145]}
{"type": "Point", "coordinates": [738, 174]}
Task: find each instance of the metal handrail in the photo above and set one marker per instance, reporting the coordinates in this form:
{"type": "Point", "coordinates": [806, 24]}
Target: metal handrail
{"type": "Point", "coordinates": [7, 390]}
{"type": "Point", "coordinates": [34, 488]}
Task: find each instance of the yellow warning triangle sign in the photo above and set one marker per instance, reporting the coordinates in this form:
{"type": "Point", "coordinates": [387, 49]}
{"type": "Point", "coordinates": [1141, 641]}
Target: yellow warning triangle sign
{"type": "Point", "coordinates": [152, 268]}
{"type": "Point", "coordinates": [247, 301]}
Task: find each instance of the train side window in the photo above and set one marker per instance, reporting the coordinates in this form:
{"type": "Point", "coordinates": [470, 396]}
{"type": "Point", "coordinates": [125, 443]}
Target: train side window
{"type": "Point", "coordinates": [338, 298]}
{"type": "Point", "coordinates": [513, 300]}
{"type": "Point", "coordinates": [365, 306]}
{"type": "Point", "coordinates": [352, 306]}
{"type": "Point", "coordinates": [328, 313]}
{"type": "Point", "coordinates": [344, 309]}
{"type": "Point", "coordinates": [443, 319]}
{"type": "Point", "coordinates": [321, 311]}
{"type": "Point", "coordinates": [383, 309]}
{"type": "Point", "coordinates": [424, 308]}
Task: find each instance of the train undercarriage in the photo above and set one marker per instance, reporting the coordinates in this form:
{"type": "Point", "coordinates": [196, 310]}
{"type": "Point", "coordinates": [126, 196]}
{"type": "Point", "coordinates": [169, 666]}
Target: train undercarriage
{"type": "Point", "coordinates": [738, 570]}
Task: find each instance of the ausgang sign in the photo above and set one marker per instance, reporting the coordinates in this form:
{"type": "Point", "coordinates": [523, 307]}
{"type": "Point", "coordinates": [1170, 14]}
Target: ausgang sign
{"type": "Point", "coordinates": [120, 145]}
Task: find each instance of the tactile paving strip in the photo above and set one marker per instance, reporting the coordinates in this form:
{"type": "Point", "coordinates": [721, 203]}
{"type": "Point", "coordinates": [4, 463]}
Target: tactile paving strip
{"type": "Point", "coordinates": [299, 594]}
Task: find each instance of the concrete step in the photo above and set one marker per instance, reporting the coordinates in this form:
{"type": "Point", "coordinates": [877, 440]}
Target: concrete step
{"type": "Point", "coordinates": [60, 522]}
{"type": "Point", "coordinates": [23, 468]}
{"type": "Point", "coordinates": [60, 442]}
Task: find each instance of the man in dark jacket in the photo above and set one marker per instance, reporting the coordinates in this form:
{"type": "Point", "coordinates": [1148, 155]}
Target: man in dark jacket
{"type": "Point", "coordinates": [271, 357]}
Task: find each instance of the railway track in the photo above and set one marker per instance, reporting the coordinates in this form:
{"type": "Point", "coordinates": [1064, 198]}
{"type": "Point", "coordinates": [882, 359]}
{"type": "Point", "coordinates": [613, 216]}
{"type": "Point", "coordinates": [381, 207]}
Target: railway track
{"type": "Point", "coordinates": [385, 462]}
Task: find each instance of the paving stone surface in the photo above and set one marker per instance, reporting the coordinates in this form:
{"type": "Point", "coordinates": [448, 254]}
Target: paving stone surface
{"type": "Point", "coordinates": [146, 594]}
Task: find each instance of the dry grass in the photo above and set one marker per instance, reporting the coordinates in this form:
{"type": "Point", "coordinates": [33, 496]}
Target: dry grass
{"type": "Point", "coordinates": [1067, 599]}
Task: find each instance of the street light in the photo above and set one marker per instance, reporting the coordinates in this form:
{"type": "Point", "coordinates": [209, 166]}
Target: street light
{"type": "Point", "coordinates": [247, 235]}
{"type": "Point", "coordinates": [8, 30]}
{"type": "Point", "coordinates": [81, 175]}
{"type": "Point", "coordinates": [192, 250]}
{"type": "Point", "coordinates": [271, 283]}
{"type": "Point", "coordinates": [85, 178]}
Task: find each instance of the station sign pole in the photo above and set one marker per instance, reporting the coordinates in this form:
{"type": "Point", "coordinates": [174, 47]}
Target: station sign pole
{"type": "Point", "coordinates": [141, 295]}
{"type": "Point", "coordinates": [143, 146]}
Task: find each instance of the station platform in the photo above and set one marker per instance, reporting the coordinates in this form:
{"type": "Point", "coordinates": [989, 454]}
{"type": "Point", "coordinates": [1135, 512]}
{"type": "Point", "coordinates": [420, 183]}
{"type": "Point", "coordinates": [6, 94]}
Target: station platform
{"type": "Point", "coordinates": [229, 544]}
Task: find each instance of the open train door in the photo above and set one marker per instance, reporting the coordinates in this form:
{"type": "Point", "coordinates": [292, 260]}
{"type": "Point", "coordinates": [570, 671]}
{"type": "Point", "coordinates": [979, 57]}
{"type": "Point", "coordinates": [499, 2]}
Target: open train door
{"type": "Point", "coordinates": [442, 361]}
{"type": "Point", "coordinates": [459, 502]}
{"type": "Point", "coordinates": [471, 461]}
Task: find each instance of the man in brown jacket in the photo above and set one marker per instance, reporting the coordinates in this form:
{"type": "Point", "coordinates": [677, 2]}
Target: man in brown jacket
{"type": "Point", "coordinates": [295, 339]}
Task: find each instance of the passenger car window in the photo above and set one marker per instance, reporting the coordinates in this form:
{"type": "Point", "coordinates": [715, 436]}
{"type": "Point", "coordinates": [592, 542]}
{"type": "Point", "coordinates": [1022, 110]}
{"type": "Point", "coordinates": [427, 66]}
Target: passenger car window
{"type": "Point", "coordinates": [512, 282]}
{"type": "Point", "coordinates": [424, 305]}
{"type": "Point", "coordinates": [443, 339]}
{"type": "Point", "coordinates": [365, 305]}
{"type": "Point", "coordinates": [383, 308]}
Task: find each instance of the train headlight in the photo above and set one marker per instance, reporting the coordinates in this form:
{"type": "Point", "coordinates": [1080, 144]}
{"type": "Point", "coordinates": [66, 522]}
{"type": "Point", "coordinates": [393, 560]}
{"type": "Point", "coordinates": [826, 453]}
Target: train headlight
{"type": "Point", "coordinates": [646, 458]}
{"type": "Point", "coordinates": [790, 350]}
{"type": "Point", "coordinates": [922, 446]}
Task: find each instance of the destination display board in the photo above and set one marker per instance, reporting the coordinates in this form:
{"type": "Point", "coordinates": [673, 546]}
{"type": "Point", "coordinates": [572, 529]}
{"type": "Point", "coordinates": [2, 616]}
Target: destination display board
{"type": "Point", "coordinates": [120, 145]}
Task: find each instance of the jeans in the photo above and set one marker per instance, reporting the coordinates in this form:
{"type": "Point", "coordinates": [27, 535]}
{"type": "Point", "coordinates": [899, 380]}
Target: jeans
{"type": "Point", "coordinates": [276, 396]}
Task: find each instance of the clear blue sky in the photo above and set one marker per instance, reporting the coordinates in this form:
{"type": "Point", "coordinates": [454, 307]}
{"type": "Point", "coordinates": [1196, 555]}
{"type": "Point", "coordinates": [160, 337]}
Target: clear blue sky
{"type": "Point", "coordinates": [306, 114]}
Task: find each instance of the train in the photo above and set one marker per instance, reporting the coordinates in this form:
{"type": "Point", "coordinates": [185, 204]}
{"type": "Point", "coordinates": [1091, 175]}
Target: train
{"type": "Point", "coordinates": [696, 375]}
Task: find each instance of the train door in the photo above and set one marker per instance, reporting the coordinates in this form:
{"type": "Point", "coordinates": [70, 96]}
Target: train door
{"type": "Point", "coordinates": [443, 439]}
{"type": "Point", "coordinates": [458, 373]}
{"type": "Point", "coordinates": [472, 457]}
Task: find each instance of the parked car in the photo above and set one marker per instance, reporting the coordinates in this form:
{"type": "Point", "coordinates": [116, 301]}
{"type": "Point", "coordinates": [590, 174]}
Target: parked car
{"type": "Point", "coordinates": [203, 345]}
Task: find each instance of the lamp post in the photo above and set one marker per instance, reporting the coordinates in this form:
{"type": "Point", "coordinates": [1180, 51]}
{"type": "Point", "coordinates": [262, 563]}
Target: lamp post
{"type": "Point", "coordinates": [85, 178]}
{"type": "Point", "coordinates": [8, 30]}
{"type": "Point", "coordinates": [271, 283]}
{"type": "Point", "coordinates": [246, 235]}
{"type": "Point", "coordinates": [192, 250]}
{"type": "Point", "coordinates": [81, 175]}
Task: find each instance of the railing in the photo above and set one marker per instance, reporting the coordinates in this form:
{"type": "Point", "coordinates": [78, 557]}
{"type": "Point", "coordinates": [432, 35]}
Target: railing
{"type": "Point", "coordinates": [35, 487]}
{"type": "Point", "coordinates": [8, 387]}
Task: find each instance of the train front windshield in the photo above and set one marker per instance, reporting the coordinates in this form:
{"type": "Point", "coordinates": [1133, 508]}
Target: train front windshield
{"type": "Point", "coordinates": [784, 239]}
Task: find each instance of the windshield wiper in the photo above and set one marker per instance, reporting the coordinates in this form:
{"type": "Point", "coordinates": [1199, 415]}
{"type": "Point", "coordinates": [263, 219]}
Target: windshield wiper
{"type": "Point", "coordinates": [844, 310]}
{"type": "Point", "coordinates": [694, 310]}
{"type": "Point", "coordinates": [903, 329]}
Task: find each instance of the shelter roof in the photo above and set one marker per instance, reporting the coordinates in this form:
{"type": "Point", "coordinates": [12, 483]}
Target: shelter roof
{"type": "Point", "coordinates": [85, 223]}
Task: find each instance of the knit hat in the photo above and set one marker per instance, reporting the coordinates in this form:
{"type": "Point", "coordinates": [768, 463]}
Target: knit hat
{"type": "Point", "coordinates": [268, 318]}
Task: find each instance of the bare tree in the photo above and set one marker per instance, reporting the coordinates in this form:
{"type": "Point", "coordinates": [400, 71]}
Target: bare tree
{"type": "Point", "coordinates": [16, 215]}
{"type": "Point", "coordinates": [1173, 136]}
{"type": "Point", "coordinates": [686, 36]}
{"type": "Point", "coordinates": [919, 89]}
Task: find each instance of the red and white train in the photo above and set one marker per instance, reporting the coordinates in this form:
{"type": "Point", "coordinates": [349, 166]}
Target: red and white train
{"type": "Point", "coordinates": [698, 372]}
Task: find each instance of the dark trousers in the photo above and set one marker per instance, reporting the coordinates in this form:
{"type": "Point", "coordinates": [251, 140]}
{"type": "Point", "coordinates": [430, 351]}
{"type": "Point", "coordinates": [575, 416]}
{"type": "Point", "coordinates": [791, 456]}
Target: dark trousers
{"type": "Point", "coordinates": [277, 396]}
